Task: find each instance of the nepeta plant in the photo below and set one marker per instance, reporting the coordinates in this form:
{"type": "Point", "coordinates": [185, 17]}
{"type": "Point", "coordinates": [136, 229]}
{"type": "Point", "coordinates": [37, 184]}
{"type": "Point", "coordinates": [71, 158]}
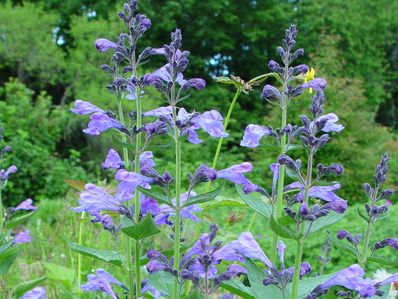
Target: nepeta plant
{"type": "Point", "coordinates": [11, 242]}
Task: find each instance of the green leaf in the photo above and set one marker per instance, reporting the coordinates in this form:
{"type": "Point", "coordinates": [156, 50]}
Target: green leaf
{"type": "Point", "coordinates": [204, 197]}
{"type": "Point", "coordinates": [22, 288]}
{"type": "Point", "coordinates": [324, 222]}
{"type": "Point", "coordinates": [19, 220]}
{"type": "Point", "coordinates": [236, 287]}
{"type": "Point", "coordinates": [225, 80]}
{"type": "Point", "coordinates": [60, 273]}
{"type": "Point", "coordinates": [223, 203]}
{"type": "Point", "coordinates": [162, 281]}
{"type": "Point", "coordinates": [139, 231]}
{"type": "Point", "coordinates": [284, 231]}
{"type": "Point", "coordinates": [344, 246]}
{"type": "Point", "coordinates": [109, 256]}
{"type": "Point", "coordinates": [7, 258]}
{"type": "Point", "coordinates": [294, 147]}
{"type": "Point", "coordinates": [257, 204]}
{"type": "Point", "coordinates": [308, 284]}
{"type": "Point", "coordinates": [256, 277]}
{"type": "Point", "coordinates": [382, 261]}
{"type": "Point", "coordinates": [161, 198]}
{"type": "Point", "coordinates": [292, 174]}
{"type": "Point", "coordinates": [5, 246]}
{"type": "Point", "coordinates": [366, 219]}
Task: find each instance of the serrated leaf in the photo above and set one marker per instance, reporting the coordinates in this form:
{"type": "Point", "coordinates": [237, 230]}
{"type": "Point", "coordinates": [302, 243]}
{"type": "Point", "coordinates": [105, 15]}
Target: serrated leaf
{"type": "Point", "coordinates": [162, 281]}
{"type": "Point", "coordinates": [236, 287]}
{"type": "Point", "coordinates": [19, 220]}
{"type": "Point", "coordinates": [324, 222]}
{"type": "Point", "coordinates": [257, 204]}
{"type": "Point", "coordinates": [141, 230]}
{"type": "Point", "coordinates": [284, 231]}
{"type": "Point", "coordinates": [382, 261]}
{"type": "Point", "coordinates": [22, 288]}
{"type": "Point", "coordinates": [204, 197]}
{"type": "Point", "coordinates": [161, 198]}
{"type": "Point", "coordinates": [109, 256]}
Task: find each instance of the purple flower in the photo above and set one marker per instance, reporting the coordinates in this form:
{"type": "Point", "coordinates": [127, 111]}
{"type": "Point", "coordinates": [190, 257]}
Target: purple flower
{"type": "Point", "coordinates": [212, 122]}
{"type": "Point", "coordinates": [281, 247]}
{"type": "Point", "coordinates": [202, 174]}
{"type": "Point", "coordinates": [248, 247]}
{"type": "Point", "coordinates": [100, 122]}
{"type": "Point", "coordinates": [350, 278]}
{"type": "Point", "coordinates": [196, 83]}
{"type": "Point", "coordinates": [103, 45]}
{"type": "Point", "coordinates": [270, 92]}
{"type": "Point", "coordinates": [328, 123]}
{"type": "Point", "coordinates": [5, 173]}
{"type": "Point", "coordinates": [112, 160]}
{"type": "Point", "coordinates": [164, 74]}
{"type": "Point", "coordinates": [149, 205]}
{"type": "Point", "coordinates": [101, 282]}
{"type": "Point", "coordinates": [95, 199]}
{"type": "Point", "coordinates": [82, 108]}
{"type": "Point", "coordinates": [147, 288]}
{"type": "Point", "coordinates": [146, 160]}
{"type": "Point", "coordinates": [25, 205]}
{"type": "Point", "coordinates": [318, 84]}
{"type": "Point", "coordinates": [22, 237]}
{"type": "Point", "coordinates": [235, 174]}
{"type": "Point", "coordinates": [129, 182]}
{"type": "Point", "coordinates": [36, 293]}
{"type": "Point", "coordinates": [275, 168]}
{"type": "Point", "coordinates": [253, 134]}
{"type": "Point", "coordinates": [392, 279]}
{"type": "Point", "coordinates": [391, 242]}
{"type": "Point", "coordinates": [162, 112]}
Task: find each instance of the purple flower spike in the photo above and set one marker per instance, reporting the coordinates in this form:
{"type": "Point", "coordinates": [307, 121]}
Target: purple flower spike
{"type": "Point", "coordinates": [22, 237]}
{"type": "Point", "coordinates": [270, 92]}
{"type": "Point", "coordinates": [112, 160]}
{"type": "Point", "coordinates": [253, 134]}
{"type": "Point", "coordinates": [248, 247]}
{"type": "Point", "coordinates": [82, 108]}
{"type": "Point", "coordinates": [212, 122]}
{"type": "Point", "coordinates": [25, 205]}
{"type": "Point", "coordinates": [36, 293]}
{"type": "Point", "coordinates": [101, 122]}
{"type": "Point", "coordinates": [103, 45]}
{"type": "Point", "coordinates": [101, 282]}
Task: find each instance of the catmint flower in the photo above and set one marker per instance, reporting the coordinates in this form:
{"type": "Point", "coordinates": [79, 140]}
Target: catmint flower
{"type": "Point", "coordinates": [270, 92]}
{"type": "Point", "coordinates": [83, 108]}
{"type": "Point", "coordinates": [101, 281]}
{"type": "Point", "coordinates": [129, 182]}
{"type": "Point", "coordinates": [6, 149]}
{"type": "Point", "coordinates": [343, 234]}
{"type": "Point", "coordinates": [212, 122]}
{"type": "Point", "coordinates": [235, 174]}
{"type": "Point", "coordinates": [318, 84]}
{"type": "Point", "coordinates": [147, 288]}
{"type": "Point", "coordinates": [202, 174]}
{"type": "Point", "coordinates": [103, 45]}
{"type": "Point", "coordinates": [25, 205]}
{"type": "Point", "coordinates": [253, 134]}
{"type": "Point", "coordinates": [335, 169]}
{"type": "Point", "coordinates": [101, 122]}
{"type": "Point", "coordinates": [4, 174]}
{"type": "Point", "coordinates": [36, 293]}
{"type": "Point", "coordinates": [22, 237]}
{"type": "Point", "coordinates": [391, 242]}
{"type": "Point", "coordinates": [105, 220]}
{"type": "Point", "coordinates": [327, 123]}
{"type": "Point", "coordinates": [94, 199]}
{"type": "Point", "coordinates": [112, 160]}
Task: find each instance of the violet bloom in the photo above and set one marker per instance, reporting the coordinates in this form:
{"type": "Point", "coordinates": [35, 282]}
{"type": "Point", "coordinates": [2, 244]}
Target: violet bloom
{"type": "Point", "coordinates": [146, 160]}
{"type": "Point", "coordinates": [129, 182]}
{"type": "Point", "coordinates": [22, 237]}
{"type": "Point", "coordinates": [101, 281]}
{"type": "Point", "coordinates": [4, 174]}
{"type": "Point", "coordinates": [236, 173]}
{"type": "Point", "coordinates": [328, 123]}
{"type": "Point", "coordinates": [318, 84]}
{"type": "Point", "coordinates": [103, 45]}
{"type": "Point", "coordinates": [94, 200]}
{"type": "Point", "coordinates": [253, 134]}
{"type": "Point", "coordinates": [36, 293]}
{"type": "Point", "coordinates": [101, 122]}
{"type": "Point", "coordinates": [25, 205]}
{"type": "Point", "coordinates": [147, 288]}
{"type": "Point", "coordinates": [391, 242]}
{"type": "Point", "coordinates": [82, 108]}
{"type": "Point", "coordinates": [112, 160]}
{"type": "Point", "coordinates": [212, 122]}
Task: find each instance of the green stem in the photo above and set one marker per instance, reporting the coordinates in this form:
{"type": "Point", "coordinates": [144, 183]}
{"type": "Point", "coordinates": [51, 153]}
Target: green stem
{"type": "Point", "coordinates": [177, 221]}
{"type": "Point", "coordinates": [366, 244]}
{"type": "Point", "coordinates": [1, 212]}
{"type": "Point", "coordinates": [137, 198]}
{"type": "Point", "coordinates": [281, 182]}
{"type": "Point", "coordinates": [300, 242]}
{"type": "Point", "coordinates": [128, 240]}
{"type": "Point", "coordinates": [79, 257]}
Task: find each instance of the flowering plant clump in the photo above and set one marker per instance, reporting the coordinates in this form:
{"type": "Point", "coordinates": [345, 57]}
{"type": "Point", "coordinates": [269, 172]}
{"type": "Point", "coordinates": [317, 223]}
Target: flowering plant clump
{"type": "Point", "coordinates": [12, 238]}
{"type": "Point", "coordinates": [147, 200]}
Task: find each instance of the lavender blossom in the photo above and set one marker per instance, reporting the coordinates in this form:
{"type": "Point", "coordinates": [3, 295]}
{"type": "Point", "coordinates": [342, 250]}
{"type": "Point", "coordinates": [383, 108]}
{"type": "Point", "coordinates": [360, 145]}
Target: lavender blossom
{"type": "Point", "coordinates": [391, 242]}
{"type": "Point", "coordinates": [82, 108]}
{"type": "Point", "coordinates": [22, 237]}
{"type": "Point", "coordinates": [129, 182]}
{"type": "Point", "coordinates": [101, 122]}
{"type": "Point", "coordinates": [101, 281]}
{"type": "Point", "coordinates": [25, 205]}
{"type": "Point", "coordinates": [36, 293]}
{"type": "Point", "coordinates": [236, 173]}
{"type": "Point", "coordinates": [253, 134]}
{"type": "Point", "coordinates": [4, 174]}
{"type": "Point", "coordinates": [112, 160]}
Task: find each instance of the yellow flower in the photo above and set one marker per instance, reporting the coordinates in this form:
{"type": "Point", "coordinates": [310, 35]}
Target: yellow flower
{"type": "Point", "coordinates": [310, 75]}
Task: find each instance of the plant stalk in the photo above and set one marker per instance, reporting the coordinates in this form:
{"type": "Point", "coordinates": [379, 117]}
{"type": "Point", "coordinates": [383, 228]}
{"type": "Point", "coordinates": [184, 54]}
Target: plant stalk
{"type": "Point", "coordinates": [79, 256]}
{"type": "Point", "coordinates": [362, 262]}
{"type": "Point", "coordinates": [1, 212]}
